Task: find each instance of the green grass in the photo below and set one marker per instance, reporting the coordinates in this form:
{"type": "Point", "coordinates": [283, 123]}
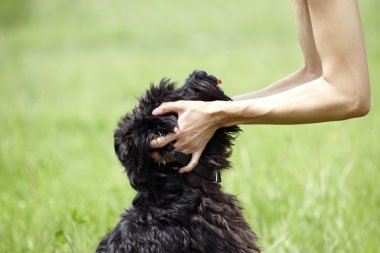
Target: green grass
{"type": "Point", "coordinates": [70, 69]}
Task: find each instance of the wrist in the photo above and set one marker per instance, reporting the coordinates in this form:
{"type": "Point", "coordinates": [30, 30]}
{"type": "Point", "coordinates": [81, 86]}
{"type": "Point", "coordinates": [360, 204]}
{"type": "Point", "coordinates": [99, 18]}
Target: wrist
{"type": "Point", "coordinates": [215, 111]}
{"type": "Point", "coordinates": [229, 113]}
{"type": "Point", "coordinates": [223, 113]}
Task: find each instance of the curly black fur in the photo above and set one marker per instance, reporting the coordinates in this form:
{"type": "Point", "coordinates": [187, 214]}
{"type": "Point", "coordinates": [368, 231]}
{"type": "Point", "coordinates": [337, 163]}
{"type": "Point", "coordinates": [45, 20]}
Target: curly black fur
{"type": "Point", "coordinates": [175, 212]}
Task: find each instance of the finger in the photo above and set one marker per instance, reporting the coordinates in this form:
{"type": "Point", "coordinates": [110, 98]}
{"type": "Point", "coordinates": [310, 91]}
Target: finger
{"type": "Point", "coordinates": [194, 161]}
{"type": "Point", "coordinates": [166, 108]}
{"type": "Point", "coordinates": [162, 141]}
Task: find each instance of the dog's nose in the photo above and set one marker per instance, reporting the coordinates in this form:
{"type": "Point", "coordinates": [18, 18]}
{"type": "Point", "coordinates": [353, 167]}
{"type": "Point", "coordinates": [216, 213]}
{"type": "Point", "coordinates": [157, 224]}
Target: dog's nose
{"type": "Point", "coordinates": [202, 75]}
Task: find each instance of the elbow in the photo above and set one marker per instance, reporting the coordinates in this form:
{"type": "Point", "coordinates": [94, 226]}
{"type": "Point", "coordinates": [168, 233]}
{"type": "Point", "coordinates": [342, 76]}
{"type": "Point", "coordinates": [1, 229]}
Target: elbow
{"type": "Point", "coordinates": [352, 87]}
{"type": "Point", "coordinates": [358, 105]}
{"type": "Point", "coordinates": [360, 110]}
{"type": "Point", "coordinates": [363, 108]}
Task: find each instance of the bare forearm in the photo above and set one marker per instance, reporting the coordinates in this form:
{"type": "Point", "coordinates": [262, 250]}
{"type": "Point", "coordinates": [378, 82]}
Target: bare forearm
{"type": "Point", "coordinates": [342, 91]}
{"type": "Point", "coordinates": [301, 76]}
{"type": "Point", "coordinates": [315, 101]}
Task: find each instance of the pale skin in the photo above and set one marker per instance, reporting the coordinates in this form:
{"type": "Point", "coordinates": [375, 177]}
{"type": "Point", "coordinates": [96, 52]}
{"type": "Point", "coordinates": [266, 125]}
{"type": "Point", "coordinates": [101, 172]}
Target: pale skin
{"type": "Point", "coordinates": [333, 84]}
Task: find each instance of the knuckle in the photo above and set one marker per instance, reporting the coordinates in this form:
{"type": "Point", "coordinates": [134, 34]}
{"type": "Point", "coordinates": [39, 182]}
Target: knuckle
{"type": "Point", "coordinates": [153, 143]}
{"type": "Point", "coordinates": [162, 109]}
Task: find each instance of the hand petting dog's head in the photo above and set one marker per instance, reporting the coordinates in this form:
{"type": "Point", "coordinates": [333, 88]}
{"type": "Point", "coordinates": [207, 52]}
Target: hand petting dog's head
{"type": "Point", "coordinates": [138, 127]}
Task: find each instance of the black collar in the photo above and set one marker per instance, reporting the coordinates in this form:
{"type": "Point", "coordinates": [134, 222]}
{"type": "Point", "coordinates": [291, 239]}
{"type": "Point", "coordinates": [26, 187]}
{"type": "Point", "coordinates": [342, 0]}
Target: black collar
{"type": "Point", "coordinates": [201, 170]}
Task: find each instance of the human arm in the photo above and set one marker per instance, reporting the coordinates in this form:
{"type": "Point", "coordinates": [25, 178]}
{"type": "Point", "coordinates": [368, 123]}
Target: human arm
{"type": "Point", "coordinates": [341, 92]}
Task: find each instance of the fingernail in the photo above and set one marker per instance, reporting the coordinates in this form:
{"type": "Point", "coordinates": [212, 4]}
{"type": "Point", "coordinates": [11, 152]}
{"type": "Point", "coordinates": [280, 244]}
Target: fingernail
{"type": "Point", "coordinates": [154, 111]}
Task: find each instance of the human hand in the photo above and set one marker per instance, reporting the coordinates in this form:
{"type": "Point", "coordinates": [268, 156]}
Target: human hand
{"type": "Point", "coordinates": [197, 123]}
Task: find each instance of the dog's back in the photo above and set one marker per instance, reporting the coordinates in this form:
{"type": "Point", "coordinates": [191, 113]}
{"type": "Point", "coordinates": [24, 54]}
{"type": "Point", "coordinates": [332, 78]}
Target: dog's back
{"type": "Point", "coordinates": [175, 212]}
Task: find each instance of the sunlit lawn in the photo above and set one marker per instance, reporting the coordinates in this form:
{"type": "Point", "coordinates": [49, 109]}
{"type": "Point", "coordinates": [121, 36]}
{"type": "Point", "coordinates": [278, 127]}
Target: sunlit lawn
{"type": "Point", "coordinates": [70, 69]}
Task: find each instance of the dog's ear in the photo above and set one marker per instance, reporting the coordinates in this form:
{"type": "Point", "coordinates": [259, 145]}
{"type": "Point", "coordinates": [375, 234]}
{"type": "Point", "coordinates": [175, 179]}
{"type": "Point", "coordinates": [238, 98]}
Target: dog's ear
{"type": "Point", "coordinates": [201, 86]}
{"type": "Point", "coordinates": [138, 127]}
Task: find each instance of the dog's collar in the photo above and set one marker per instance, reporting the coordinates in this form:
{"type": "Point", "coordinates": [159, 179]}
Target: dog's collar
{"type": "Point", "coordinates": [200, 169]}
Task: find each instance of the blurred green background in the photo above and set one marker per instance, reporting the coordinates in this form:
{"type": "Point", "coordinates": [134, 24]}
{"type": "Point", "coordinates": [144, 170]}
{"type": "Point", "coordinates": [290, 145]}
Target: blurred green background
{"type": "Point", "coordinates": [70, 69]}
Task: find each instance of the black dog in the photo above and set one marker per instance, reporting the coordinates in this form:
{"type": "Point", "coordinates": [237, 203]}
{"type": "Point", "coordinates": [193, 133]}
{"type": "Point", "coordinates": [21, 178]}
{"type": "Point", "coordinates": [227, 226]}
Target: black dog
{"type": "Point", "coordinates": [175, 212]}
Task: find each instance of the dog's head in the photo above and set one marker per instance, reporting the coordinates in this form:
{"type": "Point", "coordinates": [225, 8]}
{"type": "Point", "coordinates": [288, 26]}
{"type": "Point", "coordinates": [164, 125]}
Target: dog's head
{"type": "Point", "coordinates": [138, 127]}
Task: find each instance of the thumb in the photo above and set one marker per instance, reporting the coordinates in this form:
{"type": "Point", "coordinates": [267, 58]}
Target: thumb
{"type": "Point", "coordinates": [167, 107]}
